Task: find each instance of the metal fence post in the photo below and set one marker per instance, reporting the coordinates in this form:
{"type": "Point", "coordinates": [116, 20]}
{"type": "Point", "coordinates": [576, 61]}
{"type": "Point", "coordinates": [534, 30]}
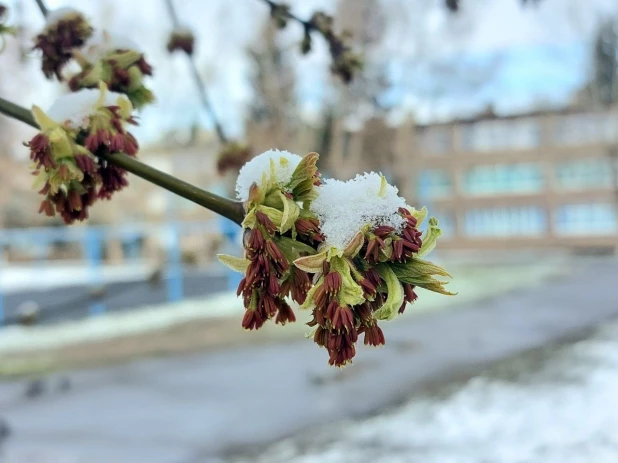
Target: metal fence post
{"type": "Point", "coordinates": [230, 231]}
{"type": "Point", "coordinates": [93, 252]}
{"type": "Point", "coordinates": [175, 290]}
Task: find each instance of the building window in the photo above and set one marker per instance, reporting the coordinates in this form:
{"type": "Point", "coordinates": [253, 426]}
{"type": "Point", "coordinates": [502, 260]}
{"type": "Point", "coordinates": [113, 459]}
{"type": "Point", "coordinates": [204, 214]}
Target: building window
{"type": "Point", "coordinates": [506, 221]}
{"type": "Point", "coordinates": [503, 179]}
{"type": "Point", "coordinates": [584, 174]}
{"type": "Point", "coordinates": [435, 183]}
{"type": "Point", "coordinates": [586, 219]}
{"type": "Point", "coordinates": [578, 129]}
{"type": "Point", "coordinates": [435, 140]}
{"type": "Point", "coordinates": [501, 134]}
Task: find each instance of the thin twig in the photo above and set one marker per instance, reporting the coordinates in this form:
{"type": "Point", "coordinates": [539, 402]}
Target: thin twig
{"type": "Point", "coordinates": [228, 208]}
{"type": "Point", "coordinates": [201, 86]}
{"type": "Point", "coordinates": [42, 7]}
{"type": "Point", "coordinates": [289, 14]}
{"type": "Point", "coordinates": [345, 63]}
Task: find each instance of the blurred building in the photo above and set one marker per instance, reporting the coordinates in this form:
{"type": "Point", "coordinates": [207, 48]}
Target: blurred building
{"type": "Point", "coordinates": [536, 180]}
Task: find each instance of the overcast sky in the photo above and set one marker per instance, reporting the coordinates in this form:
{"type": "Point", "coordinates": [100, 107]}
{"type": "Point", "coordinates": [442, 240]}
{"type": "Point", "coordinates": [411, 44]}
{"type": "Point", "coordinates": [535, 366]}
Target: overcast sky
{"type": "Point", "coordinates": [542, 53]}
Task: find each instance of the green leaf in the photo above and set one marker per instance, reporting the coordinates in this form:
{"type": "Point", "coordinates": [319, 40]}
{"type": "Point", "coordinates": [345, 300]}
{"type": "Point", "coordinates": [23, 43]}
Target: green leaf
{"type": "Point", "coordinates": [273, 214]}
{"type": "Point", "coordinates": [290, 213]}
{"type": "Point", "coordinates": [305, 170]}
{"type": "Point", "coordinates": [420, 273]}
{"type": "Point", "coordinates": [430, 237]}
{"type": "Point", "coordinates": [311, 264]}
{"type": "Point", "coordinates": [250, 220]}
{"type": "Point", "coordinates": [355, 245]}
{"type": "Point", "coordinates": [351, 293]}
{"type": "Point", "coordinates": [293, 249]}
{"type": "Point", "coordinates": [238, 264]}
{"type": "Point", "coordinates": [309, 304]}
{"type": "Point", "coordinates": [420, 216]}
{"type": "Point", "coordinates": [416, 268]}
{"type": "Point", "coordinates": [390, 309]}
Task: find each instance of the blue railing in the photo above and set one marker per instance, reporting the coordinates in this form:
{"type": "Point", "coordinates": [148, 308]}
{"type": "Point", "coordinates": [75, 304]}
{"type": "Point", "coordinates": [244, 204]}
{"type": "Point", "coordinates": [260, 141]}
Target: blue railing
{"type": "Point", "coordinates": [38, 243]}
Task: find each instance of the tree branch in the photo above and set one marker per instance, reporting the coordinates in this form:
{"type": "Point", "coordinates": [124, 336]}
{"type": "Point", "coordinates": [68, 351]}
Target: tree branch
{"type": "Point", "coordinates": [228, 208]}
{"type": "Point", "coordinates": [201, 86]}
{"type": "Point", "coordinates": [42, 7]}
{"type": "Point", "coordinates": [345, 63]}
{"type": "Point", "coordinates": [273, 5]}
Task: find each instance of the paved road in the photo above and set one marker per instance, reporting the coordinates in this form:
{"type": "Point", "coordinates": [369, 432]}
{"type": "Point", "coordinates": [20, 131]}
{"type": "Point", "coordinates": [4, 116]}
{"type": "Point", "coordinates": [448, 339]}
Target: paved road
{"type": "Point", "coordinates": [194, 409]}
{"type": "Point", "coordinates": [72, 302]}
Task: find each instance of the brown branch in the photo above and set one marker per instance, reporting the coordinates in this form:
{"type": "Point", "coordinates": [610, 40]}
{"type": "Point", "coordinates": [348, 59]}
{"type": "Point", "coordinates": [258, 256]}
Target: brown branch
{"type": "Point", "coordinates": [199, 82]}
{"type": "Point", "coordinates": [228, 208]}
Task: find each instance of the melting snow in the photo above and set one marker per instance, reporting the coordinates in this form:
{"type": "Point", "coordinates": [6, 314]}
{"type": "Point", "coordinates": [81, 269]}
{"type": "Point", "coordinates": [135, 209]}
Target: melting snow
{"type": "Point", "coordinates": [251, 172]}
{"type": "Point", "coordinates": [102, 42]}
{"type": "Point", "coordinates": [57, 15]}
{"type": "Point", "coordinates": [76, 108]}
{"type": "Point", "coordinates": [344, 208]}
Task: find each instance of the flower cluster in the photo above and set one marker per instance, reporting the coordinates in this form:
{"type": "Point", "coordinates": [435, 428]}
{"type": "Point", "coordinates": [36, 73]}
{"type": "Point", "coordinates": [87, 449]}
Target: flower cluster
{"type": "Point", "coordinates": [274, 186]}
{"type": "Point", "coordinates": [78, 129]}
{"type": "Point", "coordinates": [345, 62]}
{"type": "Point", "coordinates": [115, 61]}
{"type": "Point", "coordinates": [351, 252]}
{"type": "Point", "coordinates": [66, 29]}
{"type": "Point", "coordinates": [181, 39]}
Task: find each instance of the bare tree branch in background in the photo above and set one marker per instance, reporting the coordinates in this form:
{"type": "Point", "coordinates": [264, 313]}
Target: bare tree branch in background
{"type": "Point", "coordinates": [345, 63]}
{"type": "Point", "coordinates": [454, 5]}
{"type": "Point", "coordinates": [199, 82]}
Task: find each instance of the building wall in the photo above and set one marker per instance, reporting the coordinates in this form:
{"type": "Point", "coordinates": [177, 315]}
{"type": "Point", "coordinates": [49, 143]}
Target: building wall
{"type": "Point", "coordinates": [547, 180]}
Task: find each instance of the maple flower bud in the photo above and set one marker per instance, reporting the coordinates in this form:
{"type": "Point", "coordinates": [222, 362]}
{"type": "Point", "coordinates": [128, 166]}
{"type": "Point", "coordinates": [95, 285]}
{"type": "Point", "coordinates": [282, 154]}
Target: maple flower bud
{"type": "Point", "coordinates": [350, 252]}
{"type": "Point", "coordinates": [273, 187]}
{"type": "Point", "coordinates": [66, 29]}
{"type": "Point", "coordinates": [116, 61]}
{"type": "Point", "coordinates": [74, 131]}
{"type": "Point", "coordinates": [232, 156]}
{"type": "Point", "coordinates": [181, 39]}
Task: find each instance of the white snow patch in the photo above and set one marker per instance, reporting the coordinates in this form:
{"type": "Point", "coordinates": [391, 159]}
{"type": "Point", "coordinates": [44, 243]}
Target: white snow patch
{"type": "Point", "coordinates": [564, 412]}
{"type": "Point", "coordinates": [252, 171]}
{"type": "Point", "coordinates": [101, 43]}
{"type": "Point", "coordinates": [59, 14]}
{"type": "Point", "coordinates": [77, 107]}
{"type": "Point", "coordinates": [344, 208]}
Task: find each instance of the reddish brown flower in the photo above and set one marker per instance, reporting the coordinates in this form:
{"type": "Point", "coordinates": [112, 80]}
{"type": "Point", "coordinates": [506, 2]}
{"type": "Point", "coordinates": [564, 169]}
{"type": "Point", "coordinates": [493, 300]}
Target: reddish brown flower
{"type": "Point", "coordinates": [285, 314]}
{"type": "Point", "coordinates": [265, 222]}
{"type": "Point", "coordinates": [40, 151]}
{"type": "Point", "coordinates": [342, 351]}
{"type": "Point", "coordinates": [332, 283]}
{"type": "Point", "coordinates": [410, 295]}
{"type": "Point", "coordinates": [252, 320]}
{"type": "Point", "coordinates": [58, 41]}
{"type": "Point", "coordinates": [113, 179]}
{"type": "Point", "coordinates": [343, 318]}
{"type": "Point", "coordinates": [374, 335]}
{"type": "Point", "coordinates": [181, 40]}
{"type": "Point", "coordinates": [368, 287]}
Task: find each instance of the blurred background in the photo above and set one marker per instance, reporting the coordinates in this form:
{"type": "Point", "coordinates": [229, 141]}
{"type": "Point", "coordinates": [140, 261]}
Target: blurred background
{"type": "Point", "coordinates": [120, 338]}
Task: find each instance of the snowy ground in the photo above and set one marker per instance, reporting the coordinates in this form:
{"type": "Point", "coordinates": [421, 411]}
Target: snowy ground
{"type": "Point", "coordinates": [221, 405]}
{"type": "Point", "coordinates": [556, 406]}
